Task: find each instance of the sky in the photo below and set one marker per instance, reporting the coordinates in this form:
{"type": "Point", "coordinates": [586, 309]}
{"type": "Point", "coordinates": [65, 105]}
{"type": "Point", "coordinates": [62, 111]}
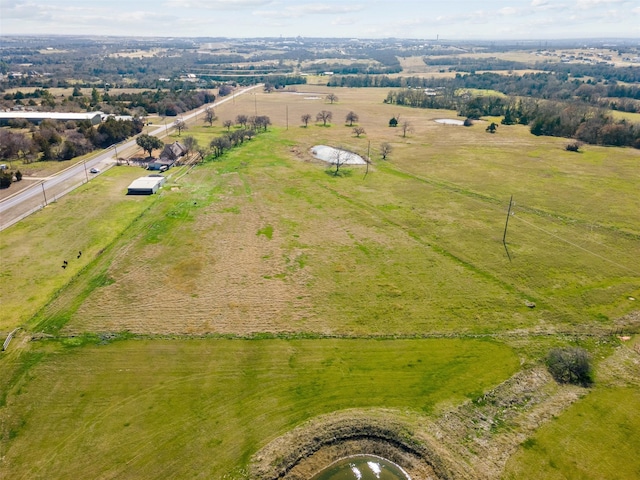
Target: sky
{"type": "Point", "coordinates": [422, 19]}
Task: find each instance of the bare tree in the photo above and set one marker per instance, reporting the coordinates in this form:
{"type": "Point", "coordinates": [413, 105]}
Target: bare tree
{"type": "Point", "coordinates": [8, 144]}
{"type": "Point", "coordinates": [202, 152]}
{"type": "Point", "coordinates": [268, 87]}
{"type": "Point", "coordinates": [339, 158]}
{"type": "Point", "coordinates": [406, 128]}
{"type": "Point", "coordinates": [358, 131]}
{"type": "Point", "coordinates": [209, 116]}
{"type": "Point", "coordinates": [352, 117]}
{"type": "Point", "coordinates": [190, 145]}
{"type": "Point", "coordinates": [385, 150]}
{"type": "Point", "coordinates": [180, 125]}
{"type": "Point", "coordinates": [227, 124]}
{"type": "Point", "coordinates": [324, 116]}
{"type": "Point", "coordinates": [242, 120]}
{"type": "Point", "coordinates": [332, 98]}
{"type": "Point", "coordinates": [260, 122]}
{"type": "Point", "coordinates": [219, 145]}
{"type": "Point", "coordinates": [305, 119]}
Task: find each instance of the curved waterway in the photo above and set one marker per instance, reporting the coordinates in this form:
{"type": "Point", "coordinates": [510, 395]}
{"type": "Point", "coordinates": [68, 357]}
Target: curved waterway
{"type": "Point", "coordinates": [362, 467]}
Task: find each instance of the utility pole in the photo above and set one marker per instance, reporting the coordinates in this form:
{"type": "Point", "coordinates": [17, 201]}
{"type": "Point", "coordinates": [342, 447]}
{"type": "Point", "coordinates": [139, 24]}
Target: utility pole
{"type": "Point", "coordinates": [506, 224]}
{"type": "Point", "coordinates": [86, 175]}
{"type": "Point", "coordinates": [44, 194]}
{"type": "Point", "coordinates": [287, 106]}
{"type": "Point", "coordinates": [368, 159]}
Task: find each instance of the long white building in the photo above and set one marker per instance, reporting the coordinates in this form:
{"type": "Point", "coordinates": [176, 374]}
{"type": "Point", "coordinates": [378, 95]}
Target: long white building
{"type": "Point", "coordinates": [36, 117]}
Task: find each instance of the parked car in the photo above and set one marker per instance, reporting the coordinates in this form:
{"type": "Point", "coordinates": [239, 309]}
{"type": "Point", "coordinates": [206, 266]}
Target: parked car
{"type": "Point", "coordinates": [94, 170]}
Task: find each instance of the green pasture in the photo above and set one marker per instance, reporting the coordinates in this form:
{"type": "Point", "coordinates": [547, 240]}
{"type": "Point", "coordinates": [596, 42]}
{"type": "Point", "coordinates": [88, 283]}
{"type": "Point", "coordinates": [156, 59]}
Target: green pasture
{"type": "Point", "coordinates": [201, 408]}
{"type": "Point", "coordinates": [33, 250]}
{"type": "Point", "coordinates": [413, 248]}
{"type": "Point", "coordinates": [267, 243]}
{"type": "Point", "coordinates": [598, 437]}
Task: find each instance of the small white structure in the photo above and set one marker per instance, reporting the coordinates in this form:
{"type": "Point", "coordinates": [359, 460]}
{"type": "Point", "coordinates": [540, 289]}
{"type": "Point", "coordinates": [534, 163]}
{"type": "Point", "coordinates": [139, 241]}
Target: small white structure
{"type": "Point", "coordinates": [146, 185]}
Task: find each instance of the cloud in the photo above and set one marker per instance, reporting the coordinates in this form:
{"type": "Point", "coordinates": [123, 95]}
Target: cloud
{"type": "Point", "coordinates": [217, 4]}
{"type": "Point", "coordinates": [324, 9]}
{"type": "Point", "coordinates": [539, 3]}
{"type": "Point", "coordinates": [507, 11]}
{"type": "Point", "coordinates": [342, 21]}
{"type": "Point", "coordinates": [587, 4]}
{"type": "Point", "coordinates": [297, 11]}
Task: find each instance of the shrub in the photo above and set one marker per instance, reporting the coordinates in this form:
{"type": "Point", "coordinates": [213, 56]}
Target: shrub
{"type": "Point", "coordinates": [5, 180]}
{"type": "Point", "coordinates": [570, 365]}
{"type": "Point", "coordinates": [573, 147]}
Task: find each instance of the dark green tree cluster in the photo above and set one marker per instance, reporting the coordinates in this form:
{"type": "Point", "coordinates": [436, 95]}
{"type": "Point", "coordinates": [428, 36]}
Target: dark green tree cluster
{"type": "Point", "coordinates": [7, 178]}
{"type": "Point", "coordinates": [113, 131]}
{"type": "Point", "coordinates": [149, 143]}
{"type": "Point", "coordinates": [570, 365]}
{"type": "Point", "coordinates": [163, 102]}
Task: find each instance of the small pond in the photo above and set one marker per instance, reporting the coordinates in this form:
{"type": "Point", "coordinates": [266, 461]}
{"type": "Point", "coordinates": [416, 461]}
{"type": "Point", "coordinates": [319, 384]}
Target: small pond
{"type": "Point", "coordinates": [362, 467]}
{"type": "Point", "coordinates": [449, 121]}
{"type": "Point", "coordinates": [329, 154]}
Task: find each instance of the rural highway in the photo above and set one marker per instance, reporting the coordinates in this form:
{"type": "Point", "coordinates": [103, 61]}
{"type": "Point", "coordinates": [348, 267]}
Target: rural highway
{"type": "Point", "coordinates": [38, 195]}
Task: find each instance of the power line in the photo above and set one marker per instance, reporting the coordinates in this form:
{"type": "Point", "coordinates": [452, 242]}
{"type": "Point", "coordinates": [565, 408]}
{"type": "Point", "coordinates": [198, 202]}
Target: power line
{"type": "Point", "coordinates": [624, 267]}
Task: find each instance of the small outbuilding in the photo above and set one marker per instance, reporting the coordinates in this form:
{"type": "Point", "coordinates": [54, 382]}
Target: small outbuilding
{"type": "Point", "coordinates": [146, 185]}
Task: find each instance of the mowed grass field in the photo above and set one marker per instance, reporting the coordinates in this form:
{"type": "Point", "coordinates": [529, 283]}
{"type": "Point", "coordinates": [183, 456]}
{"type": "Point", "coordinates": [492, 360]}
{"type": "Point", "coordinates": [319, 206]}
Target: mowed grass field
{"type": "Point", "coordinates": [201, 408]}
{"type": "Point", "coordinates": [597, 437]}
{"type": "Point", "coordinates": [267, 244]}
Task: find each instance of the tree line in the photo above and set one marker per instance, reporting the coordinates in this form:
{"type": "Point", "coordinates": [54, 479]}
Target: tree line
{"type": "Point", "coordinates": [247, 127]}
{"type": "Point", "coordinates": [55, 140]}
{"type": "Point", "coordinates": [573, 119]}
{"type": "Point", "coordinates": [162, 102]}
{"type": "Point", "coordinates": [550, 86]}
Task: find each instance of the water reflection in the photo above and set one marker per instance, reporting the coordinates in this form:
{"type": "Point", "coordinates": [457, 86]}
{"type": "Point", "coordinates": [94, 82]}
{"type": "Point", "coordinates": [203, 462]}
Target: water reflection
{"type": "Point", "coordinates": [362, 467]}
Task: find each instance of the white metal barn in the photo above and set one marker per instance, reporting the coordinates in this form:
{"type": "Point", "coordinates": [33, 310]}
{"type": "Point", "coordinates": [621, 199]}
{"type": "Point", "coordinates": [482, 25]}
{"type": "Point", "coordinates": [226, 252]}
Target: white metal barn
{"type": "Point", "coordinates": [146, 185]}
{"type": "Point", "coordinates": [36, 117]}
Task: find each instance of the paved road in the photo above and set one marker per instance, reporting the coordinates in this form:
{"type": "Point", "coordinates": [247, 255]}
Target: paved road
{"type": "Point", "coordinates": [38, 195]}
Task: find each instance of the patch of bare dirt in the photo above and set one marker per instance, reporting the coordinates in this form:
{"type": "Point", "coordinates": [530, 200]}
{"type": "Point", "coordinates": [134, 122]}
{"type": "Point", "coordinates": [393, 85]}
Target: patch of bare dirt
{"type": "Point", "coordinates": [217, 275]}
{"type": "Point", "coordinates": [471, 441]}
{"type": "Point", "coordinates": [486, 432]}
{"type": "Point", "coordinates": [310, 448]}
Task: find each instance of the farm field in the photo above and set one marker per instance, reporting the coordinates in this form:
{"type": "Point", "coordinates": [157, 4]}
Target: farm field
{"type": "Point", "coordinates": [209, 404]}
{"type": "Point", "coordinates": [581, 444]}
{"type": "Point", "coordinates": [260, 290]}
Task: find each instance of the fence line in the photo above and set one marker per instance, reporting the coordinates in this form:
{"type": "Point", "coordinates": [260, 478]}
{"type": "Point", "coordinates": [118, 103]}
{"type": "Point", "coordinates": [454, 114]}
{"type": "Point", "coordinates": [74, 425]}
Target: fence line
{"type": "Point", "coordinates": [8, 340]}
